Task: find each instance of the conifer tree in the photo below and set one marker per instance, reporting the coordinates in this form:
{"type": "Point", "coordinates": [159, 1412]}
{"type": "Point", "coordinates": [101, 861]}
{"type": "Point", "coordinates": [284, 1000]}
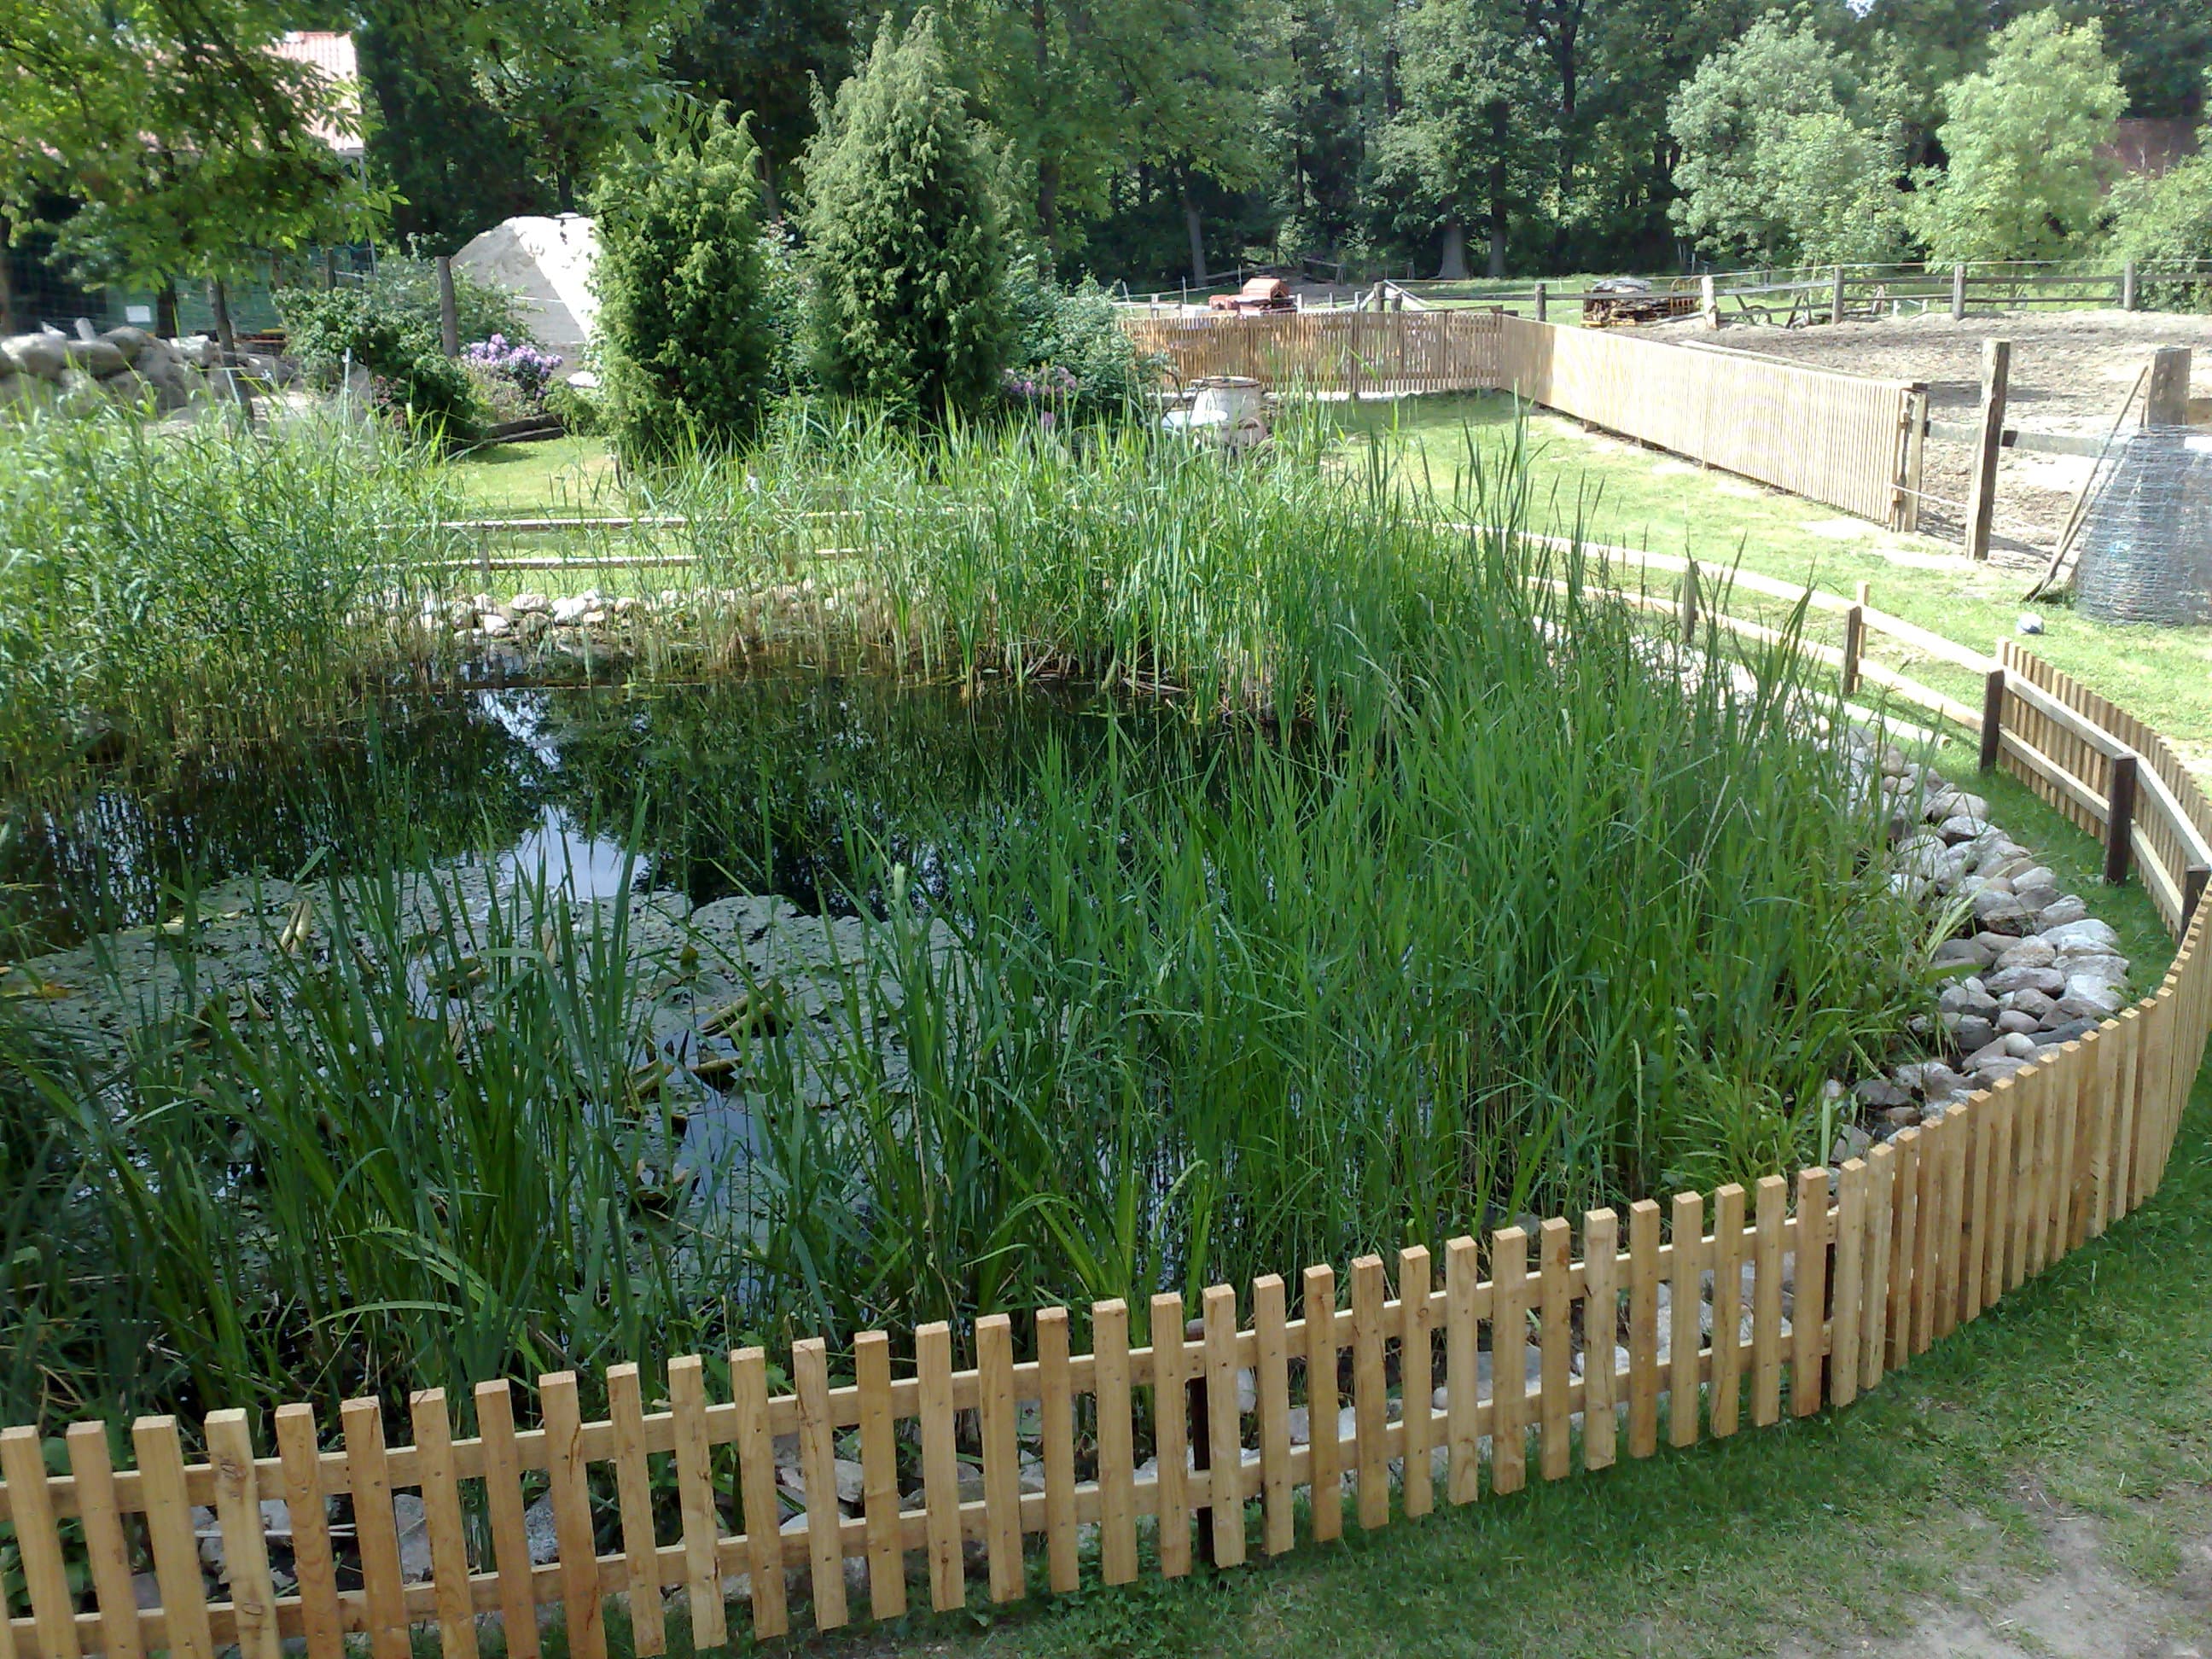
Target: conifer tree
{"type": "Point", "coordinates": [905, 233]}
{"type": "Point", "coordinates": [684, 333]}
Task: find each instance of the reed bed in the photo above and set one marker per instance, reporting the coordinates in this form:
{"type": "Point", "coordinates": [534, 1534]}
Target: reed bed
{"type": "Point", "coordinates": [1458, 893]}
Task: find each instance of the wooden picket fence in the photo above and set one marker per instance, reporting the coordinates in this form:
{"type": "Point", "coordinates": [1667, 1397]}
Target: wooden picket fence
{"type": "Point", "coordinates": [1354, 352]}
{"type": "Point", "coordinates": [1809, 1301]}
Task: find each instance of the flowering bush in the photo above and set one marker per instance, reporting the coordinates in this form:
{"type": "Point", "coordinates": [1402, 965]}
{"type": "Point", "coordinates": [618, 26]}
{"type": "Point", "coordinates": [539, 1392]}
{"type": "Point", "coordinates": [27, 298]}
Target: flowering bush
{"type": "Point", "coordinates": [1049, 389]}
{"type": "Point", "coordinates": [525, 367]}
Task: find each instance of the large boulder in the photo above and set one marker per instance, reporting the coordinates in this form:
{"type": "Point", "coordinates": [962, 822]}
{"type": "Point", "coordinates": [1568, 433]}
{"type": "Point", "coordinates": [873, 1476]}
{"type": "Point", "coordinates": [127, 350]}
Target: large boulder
{"type": "Point", "coordinates": [132, 340]}
{"type": "Point", "coordinates": [98, 358]}
{"type": "Point", "coordinates": [43, 355]}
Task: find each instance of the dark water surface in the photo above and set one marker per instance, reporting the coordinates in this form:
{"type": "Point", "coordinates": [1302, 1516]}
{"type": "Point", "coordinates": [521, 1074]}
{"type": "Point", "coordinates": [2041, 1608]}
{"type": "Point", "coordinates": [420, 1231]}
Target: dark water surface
{"type": "Point", "coordinates": [782, 784]}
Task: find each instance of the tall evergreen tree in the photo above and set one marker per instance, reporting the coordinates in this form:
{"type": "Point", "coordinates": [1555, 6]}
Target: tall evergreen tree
{"type": "Point", "coordinates": [763, 57]}
{"type": "Point", "coordinates": [683, 327]}
{"type": "Point", "coordinates": [905, 234]}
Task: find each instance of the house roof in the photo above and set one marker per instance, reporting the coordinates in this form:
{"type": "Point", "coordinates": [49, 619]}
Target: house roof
{"type": "Point", "coordinates": [331, 53]}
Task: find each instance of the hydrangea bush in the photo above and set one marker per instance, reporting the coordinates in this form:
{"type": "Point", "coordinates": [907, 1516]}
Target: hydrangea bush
{"type": "Point", "coordinates": [516, 363]}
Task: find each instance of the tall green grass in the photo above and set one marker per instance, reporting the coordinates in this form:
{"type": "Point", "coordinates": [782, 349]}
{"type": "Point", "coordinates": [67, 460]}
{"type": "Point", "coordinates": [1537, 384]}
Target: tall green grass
{"type": "Point", "coordinates": [163, 589]}
{"type": "Point", "coordinates": [1461, 893]}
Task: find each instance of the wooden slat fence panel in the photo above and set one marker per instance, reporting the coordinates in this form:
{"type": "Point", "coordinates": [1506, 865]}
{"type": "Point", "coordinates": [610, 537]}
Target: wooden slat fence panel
{"type": "Point", "coordinates": [1331, 351]}
{"type": "Point", "coordinates": [1829, 437]}
{"type": "Point", "coordinates": [1927, 1231]}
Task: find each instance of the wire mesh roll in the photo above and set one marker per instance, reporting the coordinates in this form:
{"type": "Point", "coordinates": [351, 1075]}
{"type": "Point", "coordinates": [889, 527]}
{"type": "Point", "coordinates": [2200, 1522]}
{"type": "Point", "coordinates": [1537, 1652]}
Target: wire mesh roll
{"type": "Point", "coordinates": [2146, 544]}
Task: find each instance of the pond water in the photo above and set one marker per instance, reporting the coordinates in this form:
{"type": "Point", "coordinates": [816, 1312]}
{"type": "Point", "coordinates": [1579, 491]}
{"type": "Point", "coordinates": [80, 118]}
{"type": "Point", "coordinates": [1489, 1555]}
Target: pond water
{"type": "Point", "coordinates": [776, 785]}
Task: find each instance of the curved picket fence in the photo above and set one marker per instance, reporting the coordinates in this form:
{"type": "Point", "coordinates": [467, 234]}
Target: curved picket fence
{"type": "Point", "coordinates": [730, 1496]}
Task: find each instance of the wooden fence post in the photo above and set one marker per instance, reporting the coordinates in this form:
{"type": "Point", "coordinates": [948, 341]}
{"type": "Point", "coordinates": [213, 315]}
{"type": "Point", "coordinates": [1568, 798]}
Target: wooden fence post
{"type": "Point", "coordinates": [1854, 643]}
{"type": "Point", "coordinates": [1836, 296]}
{"type": "Point", "coordinates": [2119, 820]}
{"type": "Point", "coordinates": [1708, 304]}
{"type": "Point", "coordinates": [449, 316]}
{"type": "Point", "coordinates": [2168, 404]}
{"type": "Point", "coordinates": [1993, 693]}
{"type": "Point", "coordinates": [2128, 295]}
{"type": "Point", "coordinates": [1543, 302]}
{"type": "Point", "coordinates": [1959, 293]}
{"type": "Point", "coordinates": [1982, 486]}
{"type": "Point", "coordinates": [1690, 603]}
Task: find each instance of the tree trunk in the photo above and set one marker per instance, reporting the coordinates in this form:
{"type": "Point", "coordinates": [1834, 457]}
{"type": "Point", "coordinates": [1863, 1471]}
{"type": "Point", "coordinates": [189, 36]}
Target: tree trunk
{"type": "Point", "coordinates": [771, 203]}
{"type": "Point", "coordinates": [1196, 226]}
{"type": "Point", "coordinates": [226, 339]}
{"type": "Point", "coordinates": [1452, 268]}
{"type": "Point", "coordinates": [6, 279]}
{"type": "Point", "coordinates": [1497, 243]}
{"type": "Point", "coordinates": [165, 308]}
{"type": "Point", "coordinates": [1049, 203]}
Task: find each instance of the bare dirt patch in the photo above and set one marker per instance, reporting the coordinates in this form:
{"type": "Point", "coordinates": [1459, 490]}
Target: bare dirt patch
{"type": "Point", "coordinates": [2069, 372]}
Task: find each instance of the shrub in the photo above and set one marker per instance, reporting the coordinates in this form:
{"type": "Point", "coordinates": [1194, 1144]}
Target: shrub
{"type": "Point", "coordinates": [522, 371]}
{"type": "Point", "coordinates": [686, 347]}
{"type": "Point", "coordinates": [2167, 221]}
{"type": "Point", "coordinates": [395, 345]}
{"type": "Point", "coordinates": [1069, 349]}
{"type": "Point", "coordinates": [905, 227]}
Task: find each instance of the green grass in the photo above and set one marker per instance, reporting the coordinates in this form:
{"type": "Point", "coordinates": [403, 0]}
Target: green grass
{"type": "Point", "coordinates": [558, 478]}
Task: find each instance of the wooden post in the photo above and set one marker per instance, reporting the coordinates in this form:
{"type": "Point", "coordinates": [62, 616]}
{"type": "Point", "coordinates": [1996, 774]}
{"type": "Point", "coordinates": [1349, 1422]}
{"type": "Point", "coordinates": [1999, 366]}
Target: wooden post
{"type": "Point", "coordinates": [1959, 293]}
{"type": "Point", "coordinates": [2168, 404]}
{"type": "Point", "coordinates": [2119, 820]}
{"type": "Point", "coordinates": [1982, 486]}
{"type": "Point", "coordinates": [1707, 303]}
{"type": "Point", "coordinates": [2128, 294]}
{"type": "Point", "coordinates": [449, 317]}
{"type": "Point", "coordinates": [1916, 461]}
{"type": "Point", "coordinates": [1854, 643]}
{"type": "Point", "coordinates": [1543, 302]}
{"type": "Point", "coordinates": [226, 339]}
{"type": "Point", "coordinates": [1690, 603]}
{"type": "Point", "coordinates": [1836, 296]}
{"type": "Point", "coordinates": [1993, 693]}
{"type": "Point", "coordinates": [330, 269]}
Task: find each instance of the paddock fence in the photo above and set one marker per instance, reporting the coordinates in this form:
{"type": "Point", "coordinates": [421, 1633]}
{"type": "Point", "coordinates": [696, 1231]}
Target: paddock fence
{"type": "Point", "coordinates": [1356, 353]}
{"type": "Point", "coordinates": [1528, 1355]}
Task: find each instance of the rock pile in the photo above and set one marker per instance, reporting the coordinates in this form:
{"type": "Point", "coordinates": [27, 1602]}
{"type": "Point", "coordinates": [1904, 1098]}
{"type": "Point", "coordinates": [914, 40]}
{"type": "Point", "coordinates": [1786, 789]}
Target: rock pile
{"type": "Point", "coordinates": [2033, 969]}
{"type": "Point", "coordinates": [124, 367]}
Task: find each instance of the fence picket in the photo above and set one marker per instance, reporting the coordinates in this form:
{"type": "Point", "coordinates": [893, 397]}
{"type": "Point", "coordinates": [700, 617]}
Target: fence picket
{"type": "Point", "coordinates": [39, 1542]}
{"type": "Point", "coordinates": [244, 1545]}
{"type": "Point", "coordinates": [1686, 1298]}
{"type": "Point", "coordinates": [376, 1532]}
{"type": "Point", "coordinates": [1905, 1213]}
{"type": "Point", "coordinates": [634, 1500]}
{"type": "Point", "coordinates": [1725, 1410]}
{"type": "Point", "coordinates": [1600, 1332]}
{"type": "Point", "coordinates": [1371, 1402]}
{"type": "Point", "coordinates": [1509, 1364]}
{"type": "Point", "coordinates": [879, 1488]}
{"type": "Point", "coordinates": [1325, 1459]}
{"type": "Point", "coordinates": [107, 1551]}
{"type": "Point", "coordinates": [1555, 1338]}
{"type": "Point", "coordinates": [757, 1481]}
{"type": "Point", "coordinates": [1270, 1318]}
{"type": "Point", "coordinates": [1056, 1423]}
{"type": "Point", "coordinates": [1850, 1282]}
{"type": "Point", "coordinates": [1170, 1436]}
{"type": "Point", "coordinates": [1772, 1198]}
{"type": "Point", "coordinates": [510, 1536]}
{"type": "Point", "coordinates": [169, 1531]}
{"type": "Point", "coordinates": [1223, 1428]}
{"type": "Point", "coordinates": [1416, 1352]}
{"type": "Point", "coordinates": [1117, 1500]}
{"type": "Point", "coordinates": [695, 1496]}
{"type": "Point", "coordinates": [1002, 1490]}
{"type": "Point", "coordinates": [1810, 1295]}
{"type": "Point", "coordinates": [441, 1518]}
{"type": "Point", "coordinates": [570, 1478]}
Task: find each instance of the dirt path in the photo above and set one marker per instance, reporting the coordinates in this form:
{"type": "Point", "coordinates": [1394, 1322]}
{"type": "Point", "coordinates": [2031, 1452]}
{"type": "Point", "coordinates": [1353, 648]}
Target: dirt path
{"type": "Point", "coordinates": [2071, 370]}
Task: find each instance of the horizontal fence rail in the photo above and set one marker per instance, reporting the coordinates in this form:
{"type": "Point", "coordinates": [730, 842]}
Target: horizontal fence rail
{"type": "Point", "coordinates": [1531, 1353]}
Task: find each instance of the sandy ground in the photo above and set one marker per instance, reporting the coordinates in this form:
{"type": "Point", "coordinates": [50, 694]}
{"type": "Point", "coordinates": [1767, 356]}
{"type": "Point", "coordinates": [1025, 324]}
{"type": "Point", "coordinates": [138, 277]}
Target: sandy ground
{"type": "Point", "coordinates": [2071, 370]}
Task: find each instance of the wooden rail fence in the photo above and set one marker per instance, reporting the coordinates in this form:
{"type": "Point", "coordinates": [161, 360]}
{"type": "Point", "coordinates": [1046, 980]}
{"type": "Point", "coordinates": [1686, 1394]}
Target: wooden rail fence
{"type": "Point", "coordinates": [1263, 1416]}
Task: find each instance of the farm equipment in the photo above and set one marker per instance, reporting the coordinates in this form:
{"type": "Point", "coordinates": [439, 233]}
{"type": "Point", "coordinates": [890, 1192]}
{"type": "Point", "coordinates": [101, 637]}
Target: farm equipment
{"type": "Point", "coordinates": [1625, 301]}
{"type": "Point", "coordinates": [1259, 294]}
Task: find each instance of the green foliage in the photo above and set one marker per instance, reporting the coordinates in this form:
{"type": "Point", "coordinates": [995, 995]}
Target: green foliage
{"type": "Point", "coordinates": [2165, 220]}
{"type": "Point", "coordinates": [388, 327]}
{"type": "Point", "coordinates": [2025, 181]}
{"type": "Point", "coordinates": [904, 236]}
{"type": "Point", "coordinates": [186, 143]}
{"type": "Point", "coordinates": [1074, 331]}
{"type": "Point", "coordinates": [686, 347]}
{"type": "Point", "coordinates": [1786, 154]}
